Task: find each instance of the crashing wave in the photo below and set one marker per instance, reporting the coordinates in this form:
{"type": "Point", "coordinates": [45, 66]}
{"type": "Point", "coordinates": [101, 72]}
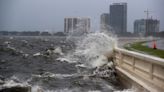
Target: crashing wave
{"type": "Point", "coordinates": [94, 49]}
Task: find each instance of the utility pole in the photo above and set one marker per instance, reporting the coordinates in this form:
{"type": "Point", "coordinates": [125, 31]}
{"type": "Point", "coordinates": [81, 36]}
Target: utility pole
{"type": "Point", "coordinates": [146, 20]}
{"type": "Point", "coordinates": [146, 27]}
{"type": "Point", "coordinates": [147, 13]}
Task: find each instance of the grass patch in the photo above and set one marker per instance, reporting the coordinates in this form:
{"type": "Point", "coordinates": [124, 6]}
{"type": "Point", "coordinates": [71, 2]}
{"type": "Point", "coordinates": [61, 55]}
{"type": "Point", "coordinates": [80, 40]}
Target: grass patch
{"type": "Point", "coordinates": [137, 46]}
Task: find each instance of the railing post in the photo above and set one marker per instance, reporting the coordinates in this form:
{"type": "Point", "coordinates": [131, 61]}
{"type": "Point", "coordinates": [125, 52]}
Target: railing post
{"type": "Point", "coordinates": [133, 65]}
{"type": "Point", "coordinates": [121, 59]}
{"type": "Point", "coordinates": [151, 71]}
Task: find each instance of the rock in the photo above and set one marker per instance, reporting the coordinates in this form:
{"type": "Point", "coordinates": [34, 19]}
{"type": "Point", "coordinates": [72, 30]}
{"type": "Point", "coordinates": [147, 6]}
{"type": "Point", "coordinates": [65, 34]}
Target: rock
{"type": "Point", "coordinates": [105, 71]}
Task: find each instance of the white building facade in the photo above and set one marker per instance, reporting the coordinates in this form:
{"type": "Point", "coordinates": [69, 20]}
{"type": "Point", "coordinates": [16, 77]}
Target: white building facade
{"type": "Point", "coordinates": [77, 24]}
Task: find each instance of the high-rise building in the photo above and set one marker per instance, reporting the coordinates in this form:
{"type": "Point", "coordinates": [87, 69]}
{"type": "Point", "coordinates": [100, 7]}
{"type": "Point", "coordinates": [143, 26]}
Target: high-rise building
{"type": "Point", "coordinates": [104, 22]}
{"type": "Point", "coordinates": [146, 26]}
{"type": "Point", "coordinates": [76, 24]}
{"type": "Point", "coordinates": [139, 27]}
{"type": "Point", "coordinates": [118, 17]}
{"type": "Point", "coordinates": [152, 25]}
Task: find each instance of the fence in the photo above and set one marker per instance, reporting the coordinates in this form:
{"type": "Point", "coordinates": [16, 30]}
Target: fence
{"type": "Point", "coordinates": [146, 70]}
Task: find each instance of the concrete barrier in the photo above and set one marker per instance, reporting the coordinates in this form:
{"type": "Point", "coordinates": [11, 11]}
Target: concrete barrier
{"type": "Point", "coordinates": [144, 70]}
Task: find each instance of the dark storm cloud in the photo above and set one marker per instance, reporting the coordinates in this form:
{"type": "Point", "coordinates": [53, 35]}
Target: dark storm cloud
{"type": "Point", "coordinates": [49, 14]}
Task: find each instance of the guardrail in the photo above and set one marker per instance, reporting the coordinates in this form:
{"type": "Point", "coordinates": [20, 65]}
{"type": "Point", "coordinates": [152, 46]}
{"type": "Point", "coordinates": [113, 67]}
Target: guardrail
{"type": "Point", "coordinates": [146, 70]}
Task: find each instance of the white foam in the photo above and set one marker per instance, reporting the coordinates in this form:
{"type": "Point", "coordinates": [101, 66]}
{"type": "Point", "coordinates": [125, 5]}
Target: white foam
{"type": "Point", "coordinates": [95, 48]}
{"type": "Point", "coordinates": [58, 76]}
{"type": "Point", "coordinates": [101, 60]}
{"type": "Point", "coordinates": [65, 60]}
{"type": "Point", "coordinates": [36, 88]}
{"type": "Point", "coordinates": [58, 50]}
{"type": "Point", "coordinates": [7, 42]}
{"type": "Point", "coordinates": [37, 54]}
{"type": "Point", "coordinates": [11, 83]}
{"type": "Point", "coordinates": [11, 38]}
{"type": "Point", "coordinates": [14, 82]}
{"type": "Point", "coordinates": [81, 65]}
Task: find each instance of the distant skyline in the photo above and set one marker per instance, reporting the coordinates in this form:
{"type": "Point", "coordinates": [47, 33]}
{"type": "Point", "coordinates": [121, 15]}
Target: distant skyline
{"type": "Point", "coordinates": [48, 15]}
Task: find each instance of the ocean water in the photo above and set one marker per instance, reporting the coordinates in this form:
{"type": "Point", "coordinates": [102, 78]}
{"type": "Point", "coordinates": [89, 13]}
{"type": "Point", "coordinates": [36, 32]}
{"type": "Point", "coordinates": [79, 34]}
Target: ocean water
{"type": "Point", "coordinates": [58, 64]}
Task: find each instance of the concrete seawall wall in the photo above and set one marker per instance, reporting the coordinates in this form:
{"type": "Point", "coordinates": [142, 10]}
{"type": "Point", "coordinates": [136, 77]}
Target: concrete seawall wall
{"type": "Point", "coordinates": [144, 71]}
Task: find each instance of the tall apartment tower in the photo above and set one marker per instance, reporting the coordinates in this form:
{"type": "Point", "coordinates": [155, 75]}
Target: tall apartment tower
{"type": "Point", "coordinates": [118, 17]}
{"type": "Point", "coordinates": [104, 22]}
{"type": "Point", "coordinates": [76, 24]}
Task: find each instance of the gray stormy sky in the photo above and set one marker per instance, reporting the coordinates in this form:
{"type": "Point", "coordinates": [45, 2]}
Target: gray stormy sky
{"type": "Point", "coordinates": [18, 15]}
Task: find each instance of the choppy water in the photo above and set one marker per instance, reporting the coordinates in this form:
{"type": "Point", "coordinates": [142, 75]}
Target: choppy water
{"type": "Point", "coordinates": [57, 64]}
